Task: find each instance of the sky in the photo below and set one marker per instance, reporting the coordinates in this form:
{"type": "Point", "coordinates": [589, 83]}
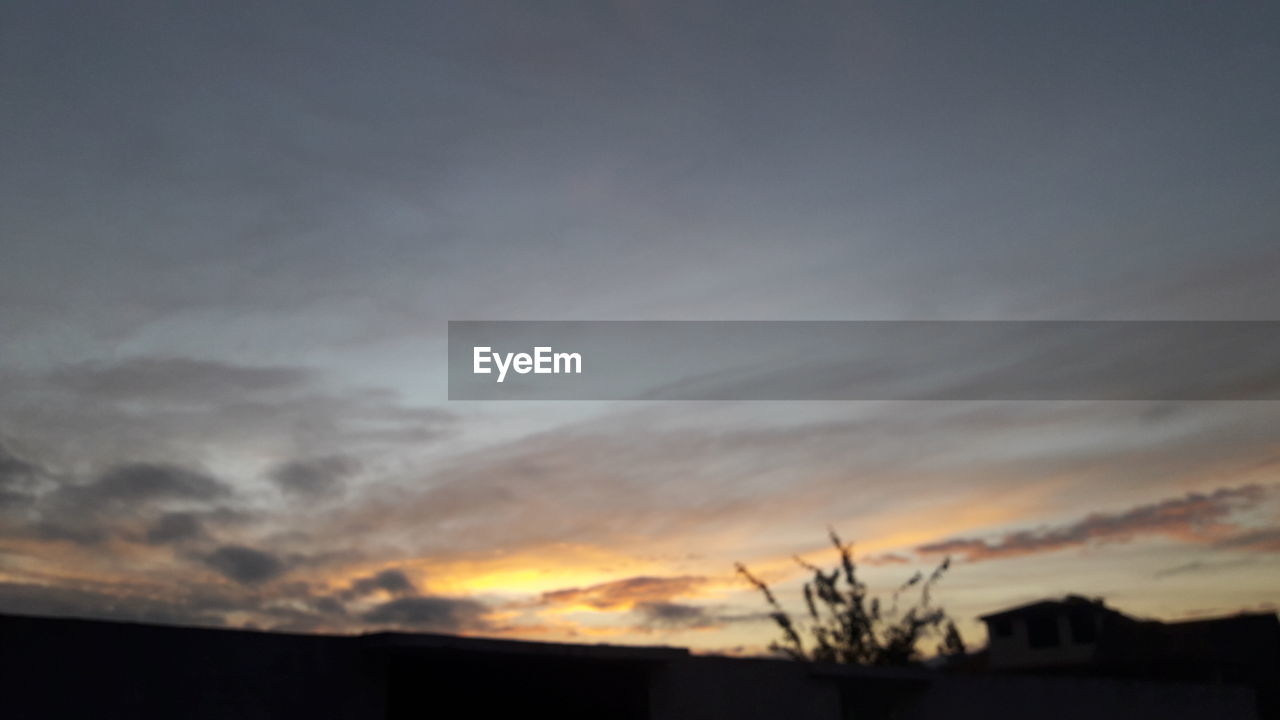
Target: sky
{"type": "Point", "coordinates": [232, 234]}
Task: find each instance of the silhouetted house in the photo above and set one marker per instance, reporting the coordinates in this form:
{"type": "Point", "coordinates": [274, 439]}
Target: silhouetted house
{"type": "Point", "coordinates": [1082, 636]}
{"type": "Point", "coordinates": [1052, 633]}
{"type": "Point", "coordinates": [65, 668]}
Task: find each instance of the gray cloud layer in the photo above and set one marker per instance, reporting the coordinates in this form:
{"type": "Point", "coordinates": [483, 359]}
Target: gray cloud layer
{"type": "Point", "coordinates": [874, 160]}
{"type": "Point", "coordinates": [203, 410]}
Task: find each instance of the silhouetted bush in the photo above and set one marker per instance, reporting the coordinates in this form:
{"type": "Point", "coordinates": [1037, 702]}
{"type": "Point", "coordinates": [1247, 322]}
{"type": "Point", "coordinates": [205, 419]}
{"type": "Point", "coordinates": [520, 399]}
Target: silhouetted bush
{"type": "Point", "coordinates": [845, 626]}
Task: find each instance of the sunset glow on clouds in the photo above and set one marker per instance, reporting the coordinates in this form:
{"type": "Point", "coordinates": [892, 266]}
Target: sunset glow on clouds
{"type": "Point", "coordinates": [229, 247]}
{"type": "Point", "coordinates": [599, 531]}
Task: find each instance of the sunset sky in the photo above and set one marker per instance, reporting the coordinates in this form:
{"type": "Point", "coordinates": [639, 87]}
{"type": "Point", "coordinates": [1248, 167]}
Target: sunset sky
{"type": "Point", "coordinates": [231, 238]}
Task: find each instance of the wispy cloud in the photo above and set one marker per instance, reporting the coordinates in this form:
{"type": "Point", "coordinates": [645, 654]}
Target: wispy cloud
{"type": "Point", "coordinates": [183, 409]}
{"type": "Point", "coordinates": [886, 559]}
{"type": "Point", "coordinates": [1195, 517]}
{"type": "Point", "coordinates": [626, 593]}
{"type": "Point", "coordinates": [1259, 540]}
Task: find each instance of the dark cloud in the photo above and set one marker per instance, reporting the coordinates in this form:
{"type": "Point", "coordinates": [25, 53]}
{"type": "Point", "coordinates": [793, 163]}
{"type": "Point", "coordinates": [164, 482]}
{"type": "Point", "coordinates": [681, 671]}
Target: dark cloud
{"type": "Point", "coordinates": [1197, 517]}
{"type": "Point", "coordinates": [17, 478]}
{"type": "Point", "coordinates": [314, 478]}
{"type": "Point", "coordinates": [623, 594]}
{"type": "Point", "coordinates": [145, 482]}
{"type": "Point", "coordinates": [12, 467]}
{"type": "Point", "coordinates": [681, 616]}
{"type": "Point", "coordinates": [668, 615]}
{"type": "Point", "coordinates": [174, 379]}
{"type": "Point", "coordinates": [329, 606]}
{"type": "Point", "coordinates": [124, 502]}
{"type": "Point", "coordinates": [245, 565]}
{"type": "Point", "coordinates": [437, 614]}
{"type": "Point", "coordinates": [391, 581]}
{"type": "Point", "coordinates": [81, 531]}
{"type": "Point", "coordinates": [174, 527]}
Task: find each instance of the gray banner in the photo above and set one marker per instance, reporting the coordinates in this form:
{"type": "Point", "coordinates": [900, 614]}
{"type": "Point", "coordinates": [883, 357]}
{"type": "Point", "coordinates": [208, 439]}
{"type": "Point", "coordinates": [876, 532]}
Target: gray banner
{"type": "Point", "coordinates": [864, 360]}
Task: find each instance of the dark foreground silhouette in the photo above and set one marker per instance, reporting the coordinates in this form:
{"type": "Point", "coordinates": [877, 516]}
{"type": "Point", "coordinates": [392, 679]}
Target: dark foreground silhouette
{"type": "Point", "coordinates": [67, 668]}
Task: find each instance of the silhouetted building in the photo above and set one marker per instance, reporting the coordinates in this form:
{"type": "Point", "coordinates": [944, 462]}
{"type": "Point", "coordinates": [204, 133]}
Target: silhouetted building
{"type": "Point", "coordinates": [1083, 636]}
{"type": "Point", "coordinates": [64, 668]}
{"type": "Point", "coordinates": [1052, 633]}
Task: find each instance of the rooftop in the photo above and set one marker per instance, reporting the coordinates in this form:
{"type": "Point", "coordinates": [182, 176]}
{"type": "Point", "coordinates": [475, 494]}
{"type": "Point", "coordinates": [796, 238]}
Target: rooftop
{"type": "Point", "coordinates": [1070, 601]}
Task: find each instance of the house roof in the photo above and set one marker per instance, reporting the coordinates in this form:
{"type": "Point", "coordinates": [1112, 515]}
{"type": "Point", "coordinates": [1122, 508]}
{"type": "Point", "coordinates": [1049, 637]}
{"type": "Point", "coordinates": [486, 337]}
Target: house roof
{"type": "Point", "coordinates": [1040, 606]}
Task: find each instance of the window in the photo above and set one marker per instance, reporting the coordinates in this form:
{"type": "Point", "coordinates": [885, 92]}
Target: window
{"type": "Point", "coordinates": [1042, 631]}
{"type": "Point", "coordinates": [1002, 627]}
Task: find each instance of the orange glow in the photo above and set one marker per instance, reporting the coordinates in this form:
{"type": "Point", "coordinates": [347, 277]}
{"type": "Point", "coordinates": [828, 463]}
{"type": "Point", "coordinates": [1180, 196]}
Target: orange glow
{"type": "Point", "coordinates": [528, 571]}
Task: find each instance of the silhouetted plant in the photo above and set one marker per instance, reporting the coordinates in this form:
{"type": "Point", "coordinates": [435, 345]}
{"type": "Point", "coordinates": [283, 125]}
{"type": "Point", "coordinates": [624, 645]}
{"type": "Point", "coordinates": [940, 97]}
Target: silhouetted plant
{"type": "Point", "coordinates": [846, 626]}
{"type": "Point", "coordinates": [952, 644]}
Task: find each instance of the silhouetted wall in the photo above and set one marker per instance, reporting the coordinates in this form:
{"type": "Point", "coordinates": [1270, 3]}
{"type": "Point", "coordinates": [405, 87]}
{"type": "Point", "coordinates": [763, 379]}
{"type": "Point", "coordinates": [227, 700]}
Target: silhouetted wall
{"type": "Point", "coordinates": [58, 668]}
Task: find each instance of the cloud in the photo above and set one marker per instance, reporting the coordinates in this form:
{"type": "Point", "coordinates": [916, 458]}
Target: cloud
{"type": "Point", "coordinates": [118, 503]}
{"type": "Point", "coordinates": [650, 601]}
{"type": "Point", "coordinates": [127, 501]}
{"type": "Point", "coordinates": [1195, 517]}
{"type": "Point", "coordinates": [174, 528]}
{"type": "Point", "coordinates": [329, 605]}
{"type": "Point", "coordinates": [176, 380]}
{"type": "Point", "coordinates": [438, 614]}
{"type": "Point", "coordinates": [314, 478]}
{"type": "Point", "coordinates": [886, 559]}
{"type": "Point", "coordinates": [17, 478]}
{"type": "Point", "coordinates": [85, 532]}
{"type": "Point", "coordinates": [245, 565]}
{"type": "Point", "coordinates": [290, 609]}
{"type": "Point", "coordinates": [1196, 567]}
{"type": "Point", "coordinates": [145, 482]}
{"type": "Point", "coordinates": [667, 615]}
{"type": "Point", "coordinates": [183, 408]}
{"type": "Point", "coordinates": [625, 594]}
{"type": "Point", "coordinates": [47, 600]}
{"type": "Point", "coordinates": [681, 616]}
{"type": "Point", "coordinates": [692, 479]}
{"type": "Point", "coordinates": [1260, 540]}
{"type": "Point", "coordinates": [393, 582]}
{"type": "Point", "coordinates": [289, 175]}
{"type": "Point", "coordinates": [13, 467]}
